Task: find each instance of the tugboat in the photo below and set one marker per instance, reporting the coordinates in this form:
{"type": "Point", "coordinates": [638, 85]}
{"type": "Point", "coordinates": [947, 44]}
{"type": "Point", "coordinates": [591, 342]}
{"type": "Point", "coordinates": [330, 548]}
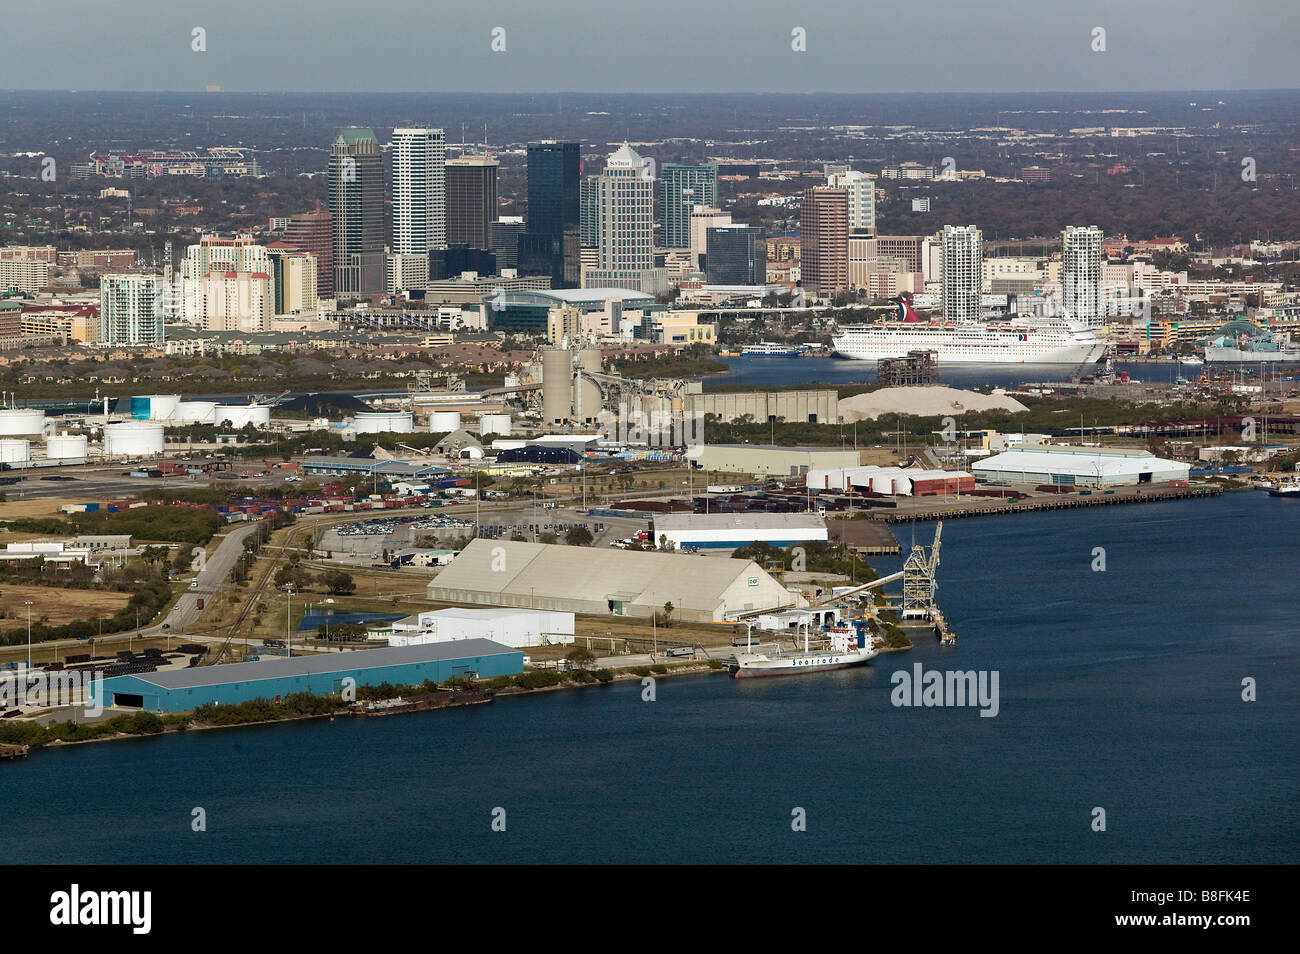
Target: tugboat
{"type": "Point", "coordinates": [849, 645]}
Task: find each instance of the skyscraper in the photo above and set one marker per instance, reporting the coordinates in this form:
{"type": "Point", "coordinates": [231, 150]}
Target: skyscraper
{"type": "Point", "coordinates": [356, 198]}
{"type": "Point", "coordinates": [551, 243]}
{"type": "Point", "coordinates": [685, 187]}
{"type": "Point", "coordinates": [130, 310]}
{"type": "Point", "coordinates": [419, 191]}
{"type": "Point", "coordinates": [312, 232]}
{"type": "Point", "coordinates": [625, 223]}
{"type": "Point", "coordinates": [471, 201]}
{"type": "Point", "coordinates": [588, 212]}
{"type": "Point", "coordinates": [963, 272]}
{"type": "Point", "coordinates": [506, 233]}
{"type": "Point", "coordinates": [1081, 273]}
{"type": "Point", "coordinates": [824, 241]}
{"type": "Point", "coordinates": [736, 255]}
{"type": "Point", "coordinates": [862, 198]}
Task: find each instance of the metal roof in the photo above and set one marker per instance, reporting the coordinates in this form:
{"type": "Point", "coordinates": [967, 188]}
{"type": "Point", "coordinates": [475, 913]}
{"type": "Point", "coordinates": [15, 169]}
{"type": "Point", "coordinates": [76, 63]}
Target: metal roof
{"type": "Point", "coordinates": [1079, 465]}
{"type": "Point", "coordinates": [739, 521]}
{"type": "Point", "coordinates": [322, 663]}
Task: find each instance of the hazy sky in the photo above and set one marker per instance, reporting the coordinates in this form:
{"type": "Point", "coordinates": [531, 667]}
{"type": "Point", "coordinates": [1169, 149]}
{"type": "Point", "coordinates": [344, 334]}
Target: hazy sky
{"type": "Point", "coordinates": [644, 46]}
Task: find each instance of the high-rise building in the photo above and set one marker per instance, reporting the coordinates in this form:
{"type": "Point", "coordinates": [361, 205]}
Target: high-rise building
{"type": "Point", "coordinates": [862, 198]}
{"type": "Point", "coordinates": [506, 232]}
{"type": "Point", "coordinates": [703, 218]}
{"type": "Point", "coordinates": [588, 212]}
{"type": "Point", "coordinates": [1081, 273]}
{"type": "Point", "coordinates": [312, 232]}
{"type": "Point", "coordinates": [963, 272]}
{"type": "Point", "coordinates": [625, 223]}
{"type": "Point", "coordinates": [130, 310]}
{"type": "Point", "coordinates": [237, 301]}
{"type": "Point", "coordinates": [243, 253]}
{"type": "Point", "coordinates": [736, 255]}
{"type": "Point", "coordinates": [471, 200]}
{"type": "Point", "coordinates": [356, 199]}
{"type": "Point", "coordinates": [294, 281]}
{"type": "Point", "coordinates": [685, 187]}
{"type": "Point", "coordinates": [419, 191]}
{"type": "Point", "coordinates": [551, 243]}
{"type": "Point", "coordinates": [824, 241]}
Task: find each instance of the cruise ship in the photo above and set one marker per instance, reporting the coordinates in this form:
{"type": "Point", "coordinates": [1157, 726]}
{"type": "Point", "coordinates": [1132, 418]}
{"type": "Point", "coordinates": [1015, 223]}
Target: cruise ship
{"type": "Point", "coordinates": [1021, 340]}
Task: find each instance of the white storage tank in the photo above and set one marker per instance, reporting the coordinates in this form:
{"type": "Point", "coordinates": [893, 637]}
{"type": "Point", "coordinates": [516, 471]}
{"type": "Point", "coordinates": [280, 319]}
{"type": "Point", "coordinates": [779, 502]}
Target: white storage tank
{"type": "Point", "coordinates": [21, 421]}
{"type": "Point", "coordinates": [236, 416]}
{"type": "Point", "coordinates": [66, 446]}
{"type": "Point", "coordinates": [133, 439]}
{"type": "Point", "coordinates": [444, 422]}
{"type": "Point", "coordinates": [195, 412]}
{"type": "Point", "coordinates": [155, 407]}
{"type": "Point", "coordinates": [380, 422]}
{"type": "Point", "coordinates": [494, 424]}
{"type": "Point", "coordinates": [14, 450]}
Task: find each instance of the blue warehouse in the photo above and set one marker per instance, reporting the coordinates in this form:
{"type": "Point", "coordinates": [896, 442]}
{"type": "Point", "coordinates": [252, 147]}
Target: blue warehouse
{"type": "Point", "coordinates": [181, 690]}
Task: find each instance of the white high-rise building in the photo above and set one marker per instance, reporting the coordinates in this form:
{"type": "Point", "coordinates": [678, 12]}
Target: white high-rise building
{"type": "Point", "coordinates": [187, 298]}
{"type": "Point", "coordinates": [963, 272]}
{"type": "Point", "coordinates": [703, 218]}
{"type": "Point", "coordinates": [625, 226]}
{"type": "Point", "coordinates": [237, 301]}
{"type": "Point", "coordinates": [419, 191]}
{"type": "Point", "coordinates": [130, 310]}
{"type": "Point", "coordinates": [1081, 273]}
{"type": "Point", "coordinates": [862, 198]}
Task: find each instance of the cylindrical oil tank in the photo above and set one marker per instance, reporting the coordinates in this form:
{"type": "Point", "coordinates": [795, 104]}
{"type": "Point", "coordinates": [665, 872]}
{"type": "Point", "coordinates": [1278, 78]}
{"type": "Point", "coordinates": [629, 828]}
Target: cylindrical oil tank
{"type": "Point", "coordinates": [557, 384]}
{"type": "Point", "coordinates": [444, 422]}
{"type": "Point", "coordinates": [66, 446]}
{"type": "Point", "coordinates": [381, 422]}
{"type": "Point", "coordinates": [133, 439]}
{"type": "Point", "coordinates": [155, 407]}
{"type": "Point", "coordinates": [236, 416]}
{"type": "Point", "coordinates": [15, 450]}
{"type": "Point", "coordinates": [195, 412]}
{"type": "Point", "coordinates": [17, 421]}
{"type": "Point", "coordinates": [494, 424]}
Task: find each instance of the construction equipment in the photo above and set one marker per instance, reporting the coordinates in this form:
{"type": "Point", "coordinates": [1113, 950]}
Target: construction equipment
{"type": "Point", "coordinates": [919, 578]}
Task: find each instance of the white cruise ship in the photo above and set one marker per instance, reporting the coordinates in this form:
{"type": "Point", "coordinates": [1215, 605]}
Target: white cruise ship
{"type": "Point", "coordinates": [1021, 340]}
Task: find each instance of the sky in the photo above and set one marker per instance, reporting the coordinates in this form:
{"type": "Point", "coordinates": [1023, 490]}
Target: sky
{"type": "Point", "coordinates": [670, 46]}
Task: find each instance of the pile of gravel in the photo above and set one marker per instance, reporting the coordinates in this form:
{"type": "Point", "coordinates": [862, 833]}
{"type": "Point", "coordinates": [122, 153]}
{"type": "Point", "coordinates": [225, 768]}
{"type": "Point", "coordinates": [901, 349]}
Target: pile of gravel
{"type": "Point", "coordinates": [926, 401]}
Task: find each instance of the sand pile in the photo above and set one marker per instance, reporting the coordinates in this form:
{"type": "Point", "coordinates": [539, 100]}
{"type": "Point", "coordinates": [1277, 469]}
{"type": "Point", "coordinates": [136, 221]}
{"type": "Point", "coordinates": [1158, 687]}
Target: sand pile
{"type": "Point", "coordinates": [928, 401]}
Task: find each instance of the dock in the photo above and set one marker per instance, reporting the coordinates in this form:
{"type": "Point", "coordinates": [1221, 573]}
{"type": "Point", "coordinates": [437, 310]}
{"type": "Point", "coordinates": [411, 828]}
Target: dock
{"type": "Point", "coordinates": [933, 509]}
{"type": "Point", "coordinates": [865, 537]}
{"type": "Point", "coordinates": [8, 751]}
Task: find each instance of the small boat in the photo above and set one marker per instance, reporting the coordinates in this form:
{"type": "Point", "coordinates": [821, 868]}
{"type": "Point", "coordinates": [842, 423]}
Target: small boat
{"type": "Point", "coordinates": [1287, 488]}
{"type": "Point", "coordinates": [770, 349]}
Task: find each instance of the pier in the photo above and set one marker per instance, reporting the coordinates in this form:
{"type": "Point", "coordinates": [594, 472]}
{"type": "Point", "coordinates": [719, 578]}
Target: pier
{"type": "Point", "coordinates": [937, 509]}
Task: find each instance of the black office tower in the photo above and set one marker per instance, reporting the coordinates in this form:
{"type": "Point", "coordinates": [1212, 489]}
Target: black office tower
{"type": "Point", "coordinates": [551, 244]}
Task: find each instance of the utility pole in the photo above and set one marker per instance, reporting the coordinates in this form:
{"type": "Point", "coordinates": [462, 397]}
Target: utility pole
{"type": "Point", "coordinates": [288, 615]}
{"type": "Point", "coordinates": [28, 604]}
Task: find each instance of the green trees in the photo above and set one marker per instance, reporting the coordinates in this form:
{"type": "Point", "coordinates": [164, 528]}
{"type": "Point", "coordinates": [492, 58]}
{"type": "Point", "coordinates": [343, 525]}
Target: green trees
{"type": "Point", "coordinates": [578, 537]}
{"type": "Point", "coordinates": [338, 582]}
{"type": "Point", "coordinates": [579, 657]}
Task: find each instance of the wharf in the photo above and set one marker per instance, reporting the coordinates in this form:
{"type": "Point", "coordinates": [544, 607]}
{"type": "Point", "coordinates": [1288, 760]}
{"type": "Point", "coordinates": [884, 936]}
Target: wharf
{"type": "Point", "coordinates": [936, 509]}
{"type": "Point", "coordinates": [8, 751]}
{"type": "Point", "coordinates": [866, 537]}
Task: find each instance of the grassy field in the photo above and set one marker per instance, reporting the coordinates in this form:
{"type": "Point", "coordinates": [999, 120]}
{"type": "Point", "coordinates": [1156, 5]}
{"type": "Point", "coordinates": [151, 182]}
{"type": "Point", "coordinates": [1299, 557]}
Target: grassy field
{"type": "Point", "coordinates": [15, 509]}
{"type": "Point", "coordinates": [56, 605]}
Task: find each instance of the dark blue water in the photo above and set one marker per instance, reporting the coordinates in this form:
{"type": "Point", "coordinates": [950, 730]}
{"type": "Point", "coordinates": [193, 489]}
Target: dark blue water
{"type": "Point", "coordinates": [768, 372]}
{"type": "Point", "coordinates": [1119, 689]}
{"type": "Point", "coordinates": [318, 618]}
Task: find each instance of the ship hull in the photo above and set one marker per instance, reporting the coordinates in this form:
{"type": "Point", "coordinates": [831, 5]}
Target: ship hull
{"type": "Point", "coordinates": [992, 348]}
{"type": "Point", "coordinates": [761, 667]}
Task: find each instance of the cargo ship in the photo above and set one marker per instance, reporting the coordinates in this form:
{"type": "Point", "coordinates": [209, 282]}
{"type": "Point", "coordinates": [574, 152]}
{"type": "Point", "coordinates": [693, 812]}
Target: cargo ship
{"type": "Point", "coordinates": [1286, 488]}
{"type": "Point", "coordinates": [849, 646]}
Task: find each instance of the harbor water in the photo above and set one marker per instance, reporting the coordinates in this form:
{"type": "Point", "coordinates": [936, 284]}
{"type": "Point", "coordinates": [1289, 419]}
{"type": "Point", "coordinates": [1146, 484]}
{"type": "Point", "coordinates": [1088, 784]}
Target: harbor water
{"type": "Point", "coordinates": [1120, 689]}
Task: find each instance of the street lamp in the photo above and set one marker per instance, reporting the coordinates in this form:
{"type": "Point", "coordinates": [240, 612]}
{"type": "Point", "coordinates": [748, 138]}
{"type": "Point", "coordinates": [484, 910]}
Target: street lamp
{"type": "Point", "coordinates": [288, 615]}
{"type": "Point", "coordinates": [28, 604]}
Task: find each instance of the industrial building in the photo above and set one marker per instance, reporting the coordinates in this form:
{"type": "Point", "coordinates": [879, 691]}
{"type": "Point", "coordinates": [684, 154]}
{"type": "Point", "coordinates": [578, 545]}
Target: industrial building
{"type": "Point", "coordinates": [812, 406]}
{"type": "Point", "coordinates": [182, 690]}
{"type": "Point", "coordinates": [726, 531]}
{"type": "Point", "coordinates": [890, 481]}
{"type": "Point", "coordinates": [612, 582]}
{"type": "Point", "coordinates": [509, 627]}
{"type": "Point", "coordinates": [1078, 466]}
{"type": "Point", "coordinates": [769, 459]}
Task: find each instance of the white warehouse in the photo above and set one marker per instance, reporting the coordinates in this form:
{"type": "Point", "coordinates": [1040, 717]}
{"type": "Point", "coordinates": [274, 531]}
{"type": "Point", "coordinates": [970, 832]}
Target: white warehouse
{"type": "Point", "coordinates": [510, 627]}
{"type": "Point", "coordinates": [1078, 466]}
{"type": "Point", "coordinates": [726, 531]}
